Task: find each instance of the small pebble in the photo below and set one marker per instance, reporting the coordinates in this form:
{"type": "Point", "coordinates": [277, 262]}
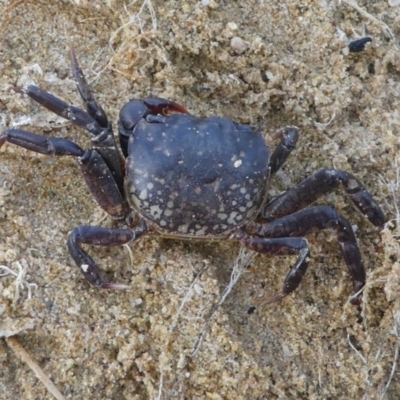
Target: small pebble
{"type": "Point", "coordinates": [239, 45]}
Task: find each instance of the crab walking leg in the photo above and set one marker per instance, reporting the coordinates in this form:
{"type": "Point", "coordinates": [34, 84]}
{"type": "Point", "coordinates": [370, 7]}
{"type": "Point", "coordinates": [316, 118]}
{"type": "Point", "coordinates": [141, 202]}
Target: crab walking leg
{"type": "Point", "coordinates": [97, 174]}
{"type": "Point", "coordinates": [282, 247]}
{"type": "Point", "coordinates": [318, 184]}
{"type": "Point", "coordinates": [98, 236]}
{"type": "Point", "coordinates": [103, 139]}
{"type": "Point", "coordinates": [92, 107]}
{"type": "Point", "coordinates": [74, 114]}
{"type": "Point", "coordinates": [41, 144]}
{"type": "Point", "coordinates": [102, 184]}
{"type": "Point", "coordinates": [289, 137]}
{"type": "Point", "coordinates": [317, 218]}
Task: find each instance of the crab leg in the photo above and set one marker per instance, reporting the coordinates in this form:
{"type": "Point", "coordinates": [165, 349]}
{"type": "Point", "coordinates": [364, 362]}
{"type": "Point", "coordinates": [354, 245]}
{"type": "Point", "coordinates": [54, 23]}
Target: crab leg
{"type": "Point", "coordinates": [97, 174]}
{"type": "Point", "coordinates": [98, 236]}
{"type": "Point", "coordinates": [289, 137]}
{"type": "Point", "coordinates": [318, 184]}
{"type": "Point", "coordinates": [282, 247]}
{"type": "Point", "coordinates": [92, 107]}
{"type": "Point", "coordinates": [41, 144]}
{"type": "Point", "coordinates": [300, 224]}
{"type": "Point", "coordinates": [94, 120]}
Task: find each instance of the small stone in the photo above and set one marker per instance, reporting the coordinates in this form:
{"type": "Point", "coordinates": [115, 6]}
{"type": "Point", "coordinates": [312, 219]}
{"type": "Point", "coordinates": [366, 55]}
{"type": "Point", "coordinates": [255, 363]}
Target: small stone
{"type": "Point", "coordinates": [239, 45]}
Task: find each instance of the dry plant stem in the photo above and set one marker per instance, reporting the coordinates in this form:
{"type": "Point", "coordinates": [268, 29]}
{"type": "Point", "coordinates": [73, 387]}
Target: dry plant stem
{"type": "Point", "coordinates": [17, 347]}
{"type": "Point", "coordinates": [388, 32]}
{"type": "Point", "coordinates": [239, 268]}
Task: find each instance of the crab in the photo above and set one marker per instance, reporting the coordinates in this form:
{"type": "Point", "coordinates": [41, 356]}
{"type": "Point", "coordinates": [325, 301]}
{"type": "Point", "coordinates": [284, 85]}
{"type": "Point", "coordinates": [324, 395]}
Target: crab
{"type": "Point", "coordinates": [180, 176]}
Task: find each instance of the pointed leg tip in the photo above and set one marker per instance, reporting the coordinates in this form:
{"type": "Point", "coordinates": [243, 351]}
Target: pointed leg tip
{"type": "Point", "coordinates": [16, 89]}
{"type": "Point", "coordinates": [113, 286]}
{"type": "Point", "coordinates": [71, 46]}
{"type": "Point", "coordinates": [276, 298]}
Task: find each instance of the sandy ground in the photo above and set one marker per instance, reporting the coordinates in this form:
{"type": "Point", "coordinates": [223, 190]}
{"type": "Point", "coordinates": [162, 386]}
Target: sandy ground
{"type": "Point", "coordinates": [290, 67]}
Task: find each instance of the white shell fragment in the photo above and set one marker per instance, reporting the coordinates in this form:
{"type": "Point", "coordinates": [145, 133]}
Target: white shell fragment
{"type": "Point", "coordinates": [239, 45]}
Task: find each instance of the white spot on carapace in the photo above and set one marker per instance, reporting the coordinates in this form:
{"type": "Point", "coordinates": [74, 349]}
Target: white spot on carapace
{"type": "Point", "coordinates": [201, 232]}
{"type": "Point", "coordinates": [163, 223]}
{"type": "Point", "coordinates": [183, 228]}
{"type": "Point", "coordinates": [162, 181]}
{"type": "Point", "coordinates": [143, 194]}
{"type": "Point", "coordinates": [168, 213]}
{"type": "Point", "coordinates": [237, 163]}
{"type": "Point", "coordinates": [170, 204]}
{"type": "Point", "coordinates": [155, 211]}
{"type": "Point", "coordinates": [232, 217]}
{"type": "Point", "coordinates": [150, 185]}
{"type": "Point", "coordinates": [243, 190]}
{"type": "Point", "coordinates": [84, 267]}
{"type": "Point", "coordinates": [222, 216]}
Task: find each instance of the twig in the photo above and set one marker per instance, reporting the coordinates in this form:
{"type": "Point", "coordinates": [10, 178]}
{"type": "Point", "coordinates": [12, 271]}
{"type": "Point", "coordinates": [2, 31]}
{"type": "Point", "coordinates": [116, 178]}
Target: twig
{"type": "Point", "coordinates": [17, 347]}
{"type": "Point", "coordinates": [386, 30]}
{"type": "Point", "coordinates": [240, 267]}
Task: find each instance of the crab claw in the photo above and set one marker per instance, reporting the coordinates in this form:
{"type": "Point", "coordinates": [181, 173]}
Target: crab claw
{"type": "Point", "coordinates": [164, 107]}
{"type": "Point", "coordinates": [132, 112]}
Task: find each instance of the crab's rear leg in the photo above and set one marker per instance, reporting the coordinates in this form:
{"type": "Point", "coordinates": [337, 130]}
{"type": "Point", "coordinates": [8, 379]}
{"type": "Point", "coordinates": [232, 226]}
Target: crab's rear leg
{"type": "Point", "coordinates": [300, 224]}
{"type": "Point", "coordinates": [321, 183]}
{"type": "Point", "coordinates": [98, 236]}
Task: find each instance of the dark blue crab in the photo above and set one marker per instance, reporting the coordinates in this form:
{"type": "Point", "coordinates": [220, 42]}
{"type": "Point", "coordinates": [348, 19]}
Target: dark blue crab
{"type": "Point", "coordinates": [199, 178]}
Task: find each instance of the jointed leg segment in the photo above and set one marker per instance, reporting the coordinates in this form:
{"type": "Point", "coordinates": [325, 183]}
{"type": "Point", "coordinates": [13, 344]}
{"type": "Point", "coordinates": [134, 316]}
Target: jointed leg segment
{"type": "Point", "coordinates": [318, 184]}
{"type": "Point", "coordinates": [98, 236]}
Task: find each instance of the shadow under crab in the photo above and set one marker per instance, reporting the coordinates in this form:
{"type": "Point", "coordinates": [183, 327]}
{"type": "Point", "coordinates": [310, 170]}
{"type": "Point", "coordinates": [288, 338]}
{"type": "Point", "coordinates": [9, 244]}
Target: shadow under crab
{"type": "Point", "coordinates": [180, 176]}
